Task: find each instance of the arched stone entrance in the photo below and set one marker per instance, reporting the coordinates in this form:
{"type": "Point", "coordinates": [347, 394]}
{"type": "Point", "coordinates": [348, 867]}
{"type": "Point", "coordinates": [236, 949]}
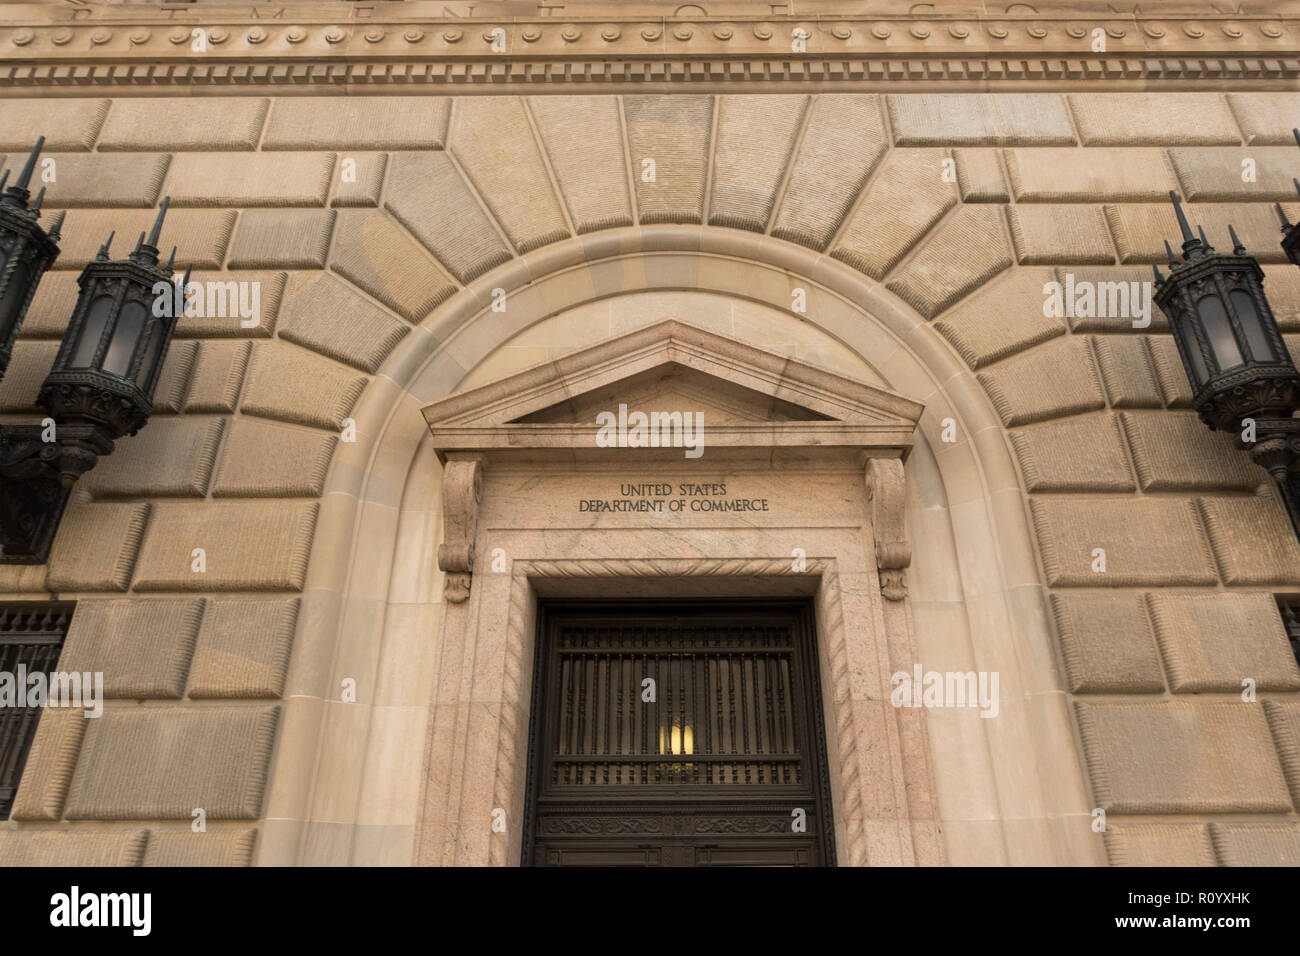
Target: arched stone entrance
{"type": "Point", "coordinates": [1009, 790]}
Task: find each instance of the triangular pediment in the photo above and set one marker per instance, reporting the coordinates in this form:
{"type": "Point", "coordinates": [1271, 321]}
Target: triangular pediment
{"type": "Point", "coordinates": [748, 397]}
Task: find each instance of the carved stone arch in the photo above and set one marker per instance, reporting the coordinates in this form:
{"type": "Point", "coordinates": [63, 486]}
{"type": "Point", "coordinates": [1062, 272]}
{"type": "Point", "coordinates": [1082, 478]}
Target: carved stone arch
{"type": "Point", "coordinates": [1030, 806]}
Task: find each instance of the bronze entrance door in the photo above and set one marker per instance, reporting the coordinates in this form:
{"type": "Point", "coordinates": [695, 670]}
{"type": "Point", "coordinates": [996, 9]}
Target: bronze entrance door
{"type": "Point", "coordinates": [684, 734]}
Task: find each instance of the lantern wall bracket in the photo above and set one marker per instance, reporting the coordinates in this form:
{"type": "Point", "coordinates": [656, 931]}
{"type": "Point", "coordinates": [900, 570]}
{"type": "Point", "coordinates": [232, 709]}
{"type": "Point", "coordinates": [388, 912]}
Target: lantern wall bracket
{"type": "Point", "coordinates": [36, 478]}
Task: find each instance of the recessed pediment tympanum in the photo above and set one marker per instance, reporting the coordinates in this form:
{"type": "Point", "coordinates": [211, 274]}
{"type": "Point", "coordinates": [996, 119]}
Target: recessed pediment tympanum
{"type": "Point", "coordinates": [747, 397]}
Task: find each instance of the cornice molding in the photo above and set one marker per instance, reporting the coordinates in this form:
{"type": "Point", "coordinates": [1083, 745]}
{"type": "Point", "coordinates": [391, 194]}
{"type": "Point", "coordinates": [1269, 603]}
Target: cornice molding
{"type": "Point", "coordinates": [469, 47]}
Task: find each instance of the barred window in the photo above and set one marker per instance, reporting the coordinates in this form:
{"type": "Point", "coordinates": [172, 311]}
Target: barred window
{"type": "Point", "coordinates": [31, 637]}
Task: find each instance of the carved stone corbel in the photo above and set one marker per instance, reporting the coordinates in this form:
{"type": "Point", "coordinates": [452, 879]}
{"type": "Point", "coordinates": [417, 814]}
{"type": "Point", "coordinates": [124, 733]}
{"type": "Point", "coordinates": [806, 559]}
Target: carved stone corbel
{"type": "Point", "coordinates": [887, 492]}
{"type": "Point", "coordinates": [462, 490]}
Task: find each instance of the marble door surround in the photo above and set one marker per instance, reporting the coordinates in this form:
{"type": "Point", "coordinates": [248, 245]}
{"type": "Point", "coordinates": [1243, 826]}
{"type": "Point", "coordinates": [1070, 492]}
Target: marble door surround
{"type": "Point", "coordinates": [799, 490]}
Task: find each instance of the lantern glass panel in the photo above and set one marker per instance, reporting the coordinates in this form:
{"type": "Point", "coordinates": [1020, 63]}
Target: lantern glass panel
{"type": "Point", "coordinates": [130, 326]}
{"type": "Point", "coordinates": [12, 300]}
{"type": "Point", "coordinates": [1261, 350]}
{"type": "Point", "coordinates": [91, 332]}
{"type": "Point", "coordinates": [152, 356]}
{"type": "Point", "coordinates": [1218, 332]}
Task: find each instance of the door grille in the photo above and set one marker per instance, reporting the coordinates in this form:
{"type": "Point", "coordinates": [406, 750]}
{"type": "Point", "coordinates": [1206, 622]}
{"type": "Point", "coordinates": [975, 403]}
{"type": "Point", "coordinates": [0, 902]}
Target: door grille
{"type": "Point", "coordinates": [677, 734]}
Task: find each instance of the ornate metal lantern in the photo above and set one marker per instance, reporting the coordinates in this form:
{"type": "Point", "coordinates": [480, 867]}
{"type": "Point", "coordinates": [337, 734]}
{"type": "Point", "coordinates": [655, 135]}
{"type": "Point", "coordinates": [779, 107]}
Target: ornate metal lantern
{"type": "Point", "coordinates": [26, 251]}
{"type": "Point", "coordinates": [1290, 233]}
{"type": "Point", "coordinates": [100, 389]}
{"type": "Point", "coordinates": [1242, 376]}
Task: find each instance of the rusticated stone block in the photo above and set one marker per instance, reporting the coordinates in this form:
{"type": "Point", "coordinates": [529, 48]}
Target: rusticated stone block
{"type": "Point", "coordinates": [1248, 844]}
{"type": "Point", "coordinates": [98, 179]}
{"type": "Point", "coordinates": [1175, 451]}
{"type": "Point", "coordinates": [1107, 644]}
{"type": "Point", "coordinates": [1153, 119]}
{"type": "Point", "coordinates": [1217, 175]}
{"type": "Point", "coordinates": [174, 382]}
{"type": "Point", "coordinates": [1253, 540]}
{"type": "Point", "coordinates": [1088, 175]}
{"type": "Point", "coordinates": [259, 546]}
{"type": "Point", "coordinates": [1284, 720]}
{"type": "Point", "coordinates": [1126, 371]}
{"type": "Point", "coordinates": [372, 252]}
{"type": "Point", "coordinates": [1084, 453]}
{"type": "Point", "coordinates": [1266, 119]}
{"type": "Point", "coordinates": [493, 140]}
{"type": "Point", "coordinates": [583, 137]}
{"type": "Point", "coordinates": [326, 315]}
{"type": "Point", "coordinates": [357, 122]}
{"type": "Point", "coordinates": [1159, 844]}
{"type": "Point", "coordinates": [1140, 229]}
{"type": "Point", "coordinates": [50, 762]}
{"type": "Point", "coordinates": [262, 460]}
{"type": "Point", "coordinates": [906, 197]}
{"type": "Point", "coordinates": [95, 547]}
{"type": "Point", "coordinates": [170, 458]}
{"type": "Point", "coordinates": [1051, 381]}
{"type": "Point", "coordinates": [70, 124]}
{"type": "Point", "coordinates": [1282, 283]}
{"type": "Point", "coordinates": [359, 179]}
{"type": "Point", "coordinates": [52, 305]}
{"type": "Point", "coordinates": [291, 384]}
{"type": "Point", "coordinates": [199, 235]}
{"type": "Point", "coordinates": [843, 140]}
{"type": "Point", "coordinates": [214, 848]}
{"type": "Point", "coordinates": [756, 136]}
{"type": "Point", "coordinates": [163, 763]}
{"type": "Point", "coordinates": [1181, 757]}
{"type": "Point", "coordinates": [1002, 317]}
{"type": "Point", "coordinates": [77, 847]}
{"type": "Point", "coordinates": [1045, 235]}
{"type": "Point", "coordinates": [282, 239]}
{"type": "Point", "coordinates": [1214, 642]}
{"type": "Point", "coordinates": [672, 132]}
{"type": "Point", "coordinates": [244, 648]}
{"type": "Point", "coordinates": [1147, 541]}
{"type": "Point", "coordinates": [1175, 388]}
{"type": "Point", "coordinates": [979, 175]}
{"type": "Point", "coordinates": [427, 195]}
{"type": "Point", "coordinates": [979, 119]}
{"type": "Point", "coordinates": [1110, 299]}
{"type": "Point", "coordinates": [963, 252]}
{"type": "Point", "coordinates": [28, 367]}
{"type": "Point", "coordinates": [143, 648]}
{"type": "Point", "coordinates": [250, 179]}
{"type": "Point", "coordinates": [223, 305]}
{"type": "Point", "coordinates": [175, 123]}
{"type": "Point", "coordinates": [218, 372]}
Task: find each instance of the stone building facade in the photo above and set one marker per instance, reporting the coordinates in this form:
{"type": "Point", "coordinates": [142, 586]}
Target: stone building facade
{"type": "Point", "coordinates": [834, 229]}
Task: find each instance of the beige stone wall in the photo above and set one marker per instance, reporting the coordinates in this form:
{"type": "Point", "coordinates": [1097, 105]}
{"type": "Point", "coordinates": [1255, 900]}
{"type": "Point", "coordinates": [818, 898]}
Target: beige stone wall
{"type": "Point", "coordinates": [225, 686]}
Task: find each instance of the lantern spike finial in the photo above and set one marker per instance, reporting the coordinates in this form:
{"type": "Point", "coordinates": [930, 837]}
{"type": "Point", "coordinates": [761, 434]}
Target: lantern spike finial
{"type": "Point", "coordinates": [171, 260]}
{"type": "Point", "coordinates": [56, 230]}
{"type": "Point", "coordinates": [1155, 269]}
{"type": "Point", "coordinates": [25, 177]}
{"type": "Point", "coordinates": [139, 244]}
{"type": "Point", "coordinates": [1173, 260]}
{"type": "Point", "coordinates": [157, 224]}
{"type": "Point", "coordinates": [1281, 214]}
{"type": "Point", "coordinates": [1296, 134]}
{"type": "Point", "coordinates": [1204, 242]}
{"type": "Point", "coordinates": [103, 250]}
{"type": "Point", "coordinates": [1182, 220]}
{"type": "Point", "coordinates": [1238, 248]}
{"type": "Point", "coordinates": [4, 179]}
{"type": "Point", "coordinates": [36, 206]}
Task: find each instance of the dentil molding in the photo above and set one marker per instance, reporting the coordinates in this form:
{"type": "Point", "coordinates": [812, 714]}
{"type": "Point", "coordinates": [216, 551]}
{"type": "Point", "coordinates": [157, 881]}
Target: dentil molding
{"type": "Point", "coordinates": [474, 45]}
